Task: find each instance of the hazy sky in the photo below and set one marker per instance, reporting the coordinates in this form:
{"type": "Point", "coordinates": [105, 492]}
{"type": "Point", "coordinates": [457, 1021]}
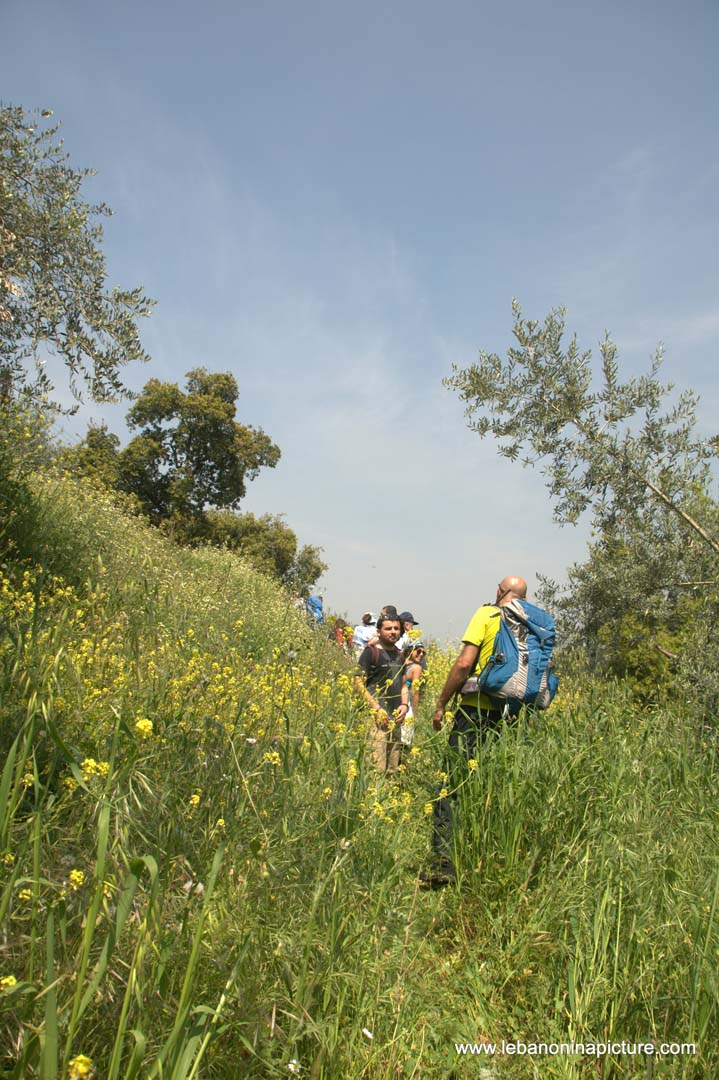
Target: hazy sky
{"type": "Point", "coordinates": [336, 202]}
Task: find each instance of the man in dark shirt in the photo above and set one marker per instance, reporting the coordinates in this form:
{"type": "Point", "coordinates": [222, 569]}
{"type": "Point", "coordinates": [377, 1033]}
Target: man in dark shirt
{"type": "Point", "coordinates": [379, 680]}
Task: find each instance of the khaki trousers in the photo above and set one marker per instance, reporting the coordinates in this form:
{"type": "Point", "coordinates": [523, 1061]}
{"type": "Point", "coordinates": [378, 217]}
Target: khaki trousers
{"type": "Point", "coordinates": [385, 748]}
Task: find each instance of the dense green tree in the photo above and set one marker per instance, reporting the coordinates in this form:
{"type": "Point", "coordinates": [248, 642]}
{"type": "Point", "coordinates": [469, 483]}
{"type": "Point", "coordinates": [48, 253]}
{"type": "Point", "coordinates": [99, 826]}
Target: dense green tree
{"type": "Point", "coordinates": [54, 301]}
{"type": "Point", "coordinates": [188, 469]}
{"type": "Point", "coordinates": [191, 454]}
{"type": "Point", "coordinates": [96, 456]}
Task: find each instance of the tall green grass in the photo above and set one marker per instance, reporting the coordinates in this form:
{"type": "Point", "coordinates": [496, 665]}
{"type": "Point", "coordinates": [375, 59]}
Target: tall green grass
{"type": "Point", "coordinates": [232, 892]}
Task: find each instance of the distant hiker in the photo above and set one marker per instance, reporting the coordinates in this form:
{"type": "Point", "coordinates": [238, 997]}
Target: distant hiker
{"type": "Point", "coordinates": [410, 630]}
{"type": "Point", "coordinates": [379, 680]}
{"type": "Point", "coordinates": [314, 609]}
{"type": "Point", "coordinates": [478, 713]}
{"type": "Point", "coordinates": [338, 634]}
{"type": "Point", "coordinates": [363, 633]}
{"type": "Point", "coordinates": [412, 659]}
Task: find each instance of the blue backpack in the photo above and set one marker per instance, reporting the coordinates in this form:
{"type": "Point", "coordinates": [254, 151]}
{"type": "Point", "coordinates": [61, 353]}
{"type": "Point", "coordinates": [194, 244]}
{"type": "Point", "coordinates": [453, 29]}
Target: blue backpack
{"type": "Point", "coordinates": [519, 671]}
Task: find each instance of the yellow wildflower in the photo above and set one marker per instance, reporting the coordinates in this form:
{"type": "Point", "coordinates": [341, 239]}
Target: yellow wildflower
{"type": "Point", "coordinates": [90, 767]}
{"type": "Point", "coordinates": [472, 765]}
{"type": "Point", "coordinates": [428, 808]}
{"type": "Point", "coordinates": [8, 859]}
{"type": "Point", "coordinates": [351, 770]}
{"type": "Point", "coordinates": [143, 727]}
{"type": "Point", "coordinates": [7, 982]}
{"type": "Point", "coordinates": [195, 799]}
{"type": "Point", "coordinates": [272, 757]}
{"type": "Point", "coordinates": [25, 894]}
{"type": "Point", "coordinates": [220, 823]}
{"type": "Point", "coordinates": [76, 878]}
{"type": "Point", "coordinates": [80, 1067]}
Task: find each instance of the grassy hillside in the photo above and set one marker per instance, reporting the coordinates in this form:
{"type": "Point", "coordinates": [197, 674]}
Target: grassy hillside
{"type": "Point", "coordinates": [200, 876]}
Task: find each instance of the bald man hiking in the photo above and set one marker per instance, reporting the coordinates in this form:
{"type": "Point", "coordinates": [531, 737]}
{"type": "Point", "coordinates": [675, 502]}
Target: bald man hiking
{"type": "Point", "coordinates": [505, 663]}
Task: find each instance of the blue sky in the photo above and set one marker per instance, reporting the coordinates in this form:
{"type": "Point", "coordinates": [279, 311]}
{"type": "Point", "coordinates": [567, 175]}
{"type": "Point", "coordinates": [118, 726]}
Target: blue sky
{"type": "Point", "coordinates": [336, 202]}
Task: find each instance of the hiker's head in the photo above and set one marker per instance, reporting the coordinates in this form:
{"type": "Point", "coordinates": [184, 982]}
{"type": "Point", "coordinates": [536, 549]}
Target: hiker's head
{"type": "Point", "coordinates": [388, 629]}
{"type": "Point", "coordinates": [368, 618]}
{"type": "Point", "coordinates": [416, 651]}
{"type": "Point", "coordinates": [407, 619]}
{"type": "Point", "coordinates": [511, 588]}
{"type": "Point", "coordinates": [389, 609]}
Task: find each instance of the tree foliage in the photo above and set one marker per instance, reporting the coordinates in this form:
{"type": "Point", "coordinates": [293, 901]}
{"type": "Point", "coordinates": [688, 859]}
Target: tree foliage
{"type": "Point", "coordinates": [191, 454]}
{"type": "Point", "coordinates": [54, 301]}
{"type": "Point", "coordinates": [611, 449]}
{"type": "Point", "coordinates": [188, 469]}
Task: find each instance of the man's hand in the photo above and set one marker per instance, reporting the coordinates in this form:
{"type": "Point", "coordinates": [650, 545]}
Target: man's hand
{"type": "Point", "coordinates": [399, 717]}
{"type": "Point", "coordinates": [437, 719]}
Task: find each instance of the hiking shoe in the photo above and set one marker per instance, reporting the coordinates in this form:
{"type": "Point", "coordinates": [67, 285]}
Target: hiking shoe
{"type": "Point", "coordinates": [438, 876]}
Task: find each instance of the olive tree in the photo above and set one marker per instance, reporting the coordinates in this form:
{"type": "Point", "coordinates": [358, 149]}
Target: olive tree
{"type": "Point", "coordinates": [54, 299]}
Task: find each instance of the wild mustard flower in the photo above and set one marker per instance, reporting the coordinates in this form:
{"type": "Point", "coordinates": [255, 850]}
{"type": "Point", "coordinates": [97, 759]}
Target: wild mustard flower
{"type": "Point", "coordinates": [195, 799]}
{"type": "Point", "coordinates": [428, 807]}
{"type": "Point", "coordinates": [80, 1067]}
{"type": "Point", "coordinates": [76, 879]}
{"type": "Point", "coordinates": [327, 792]}
{"type": "Point", "coordinates": [443, 793]}
{"type": "Point", "coordinates": [143, 727]}
{"type": "Point", "coordinates": [8, 859]}
{"type": "Point", "coordinates": [272, 757]}
{"type": "Point", "coordinates": [90, 767]}
{"type": "Point", "coordinates": [351, 770]}
{"type": "Point", "coordinates": [25, 894]}
{"type": "Point", "coordinates": [472, 765]}
{"type": "Point", "coordinates": [220, 823]}
{"type": "Point", "coordinates": [7, 982]}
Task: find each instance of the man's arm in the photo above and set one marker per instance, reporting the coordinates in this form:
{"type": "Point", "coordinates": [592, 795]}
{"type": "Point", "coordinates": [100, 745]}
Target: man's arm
{"type": "Point", "coordinates": [461, 670]}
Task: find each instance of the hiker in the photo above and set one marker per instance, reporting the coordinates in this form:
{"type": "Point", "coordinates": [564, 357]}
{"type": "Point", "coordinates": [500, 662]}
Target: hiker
{"type": "Point", "coordinates": [379, 680]}
{"type": "Point", "coordinates": [339, 633]}
{"type": "Point", "coordinates": [314, 609]}
{"type": "Point", "coordinates": [363, 633]}
{"type": "Point", "coordinates": [478, 714]}
{"type": "Point", "coordinates": [412, 660]}
{"type": "Point", "coordinates": [410, 630]}
{"type": "Point", "coordinates": [388, 609]}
